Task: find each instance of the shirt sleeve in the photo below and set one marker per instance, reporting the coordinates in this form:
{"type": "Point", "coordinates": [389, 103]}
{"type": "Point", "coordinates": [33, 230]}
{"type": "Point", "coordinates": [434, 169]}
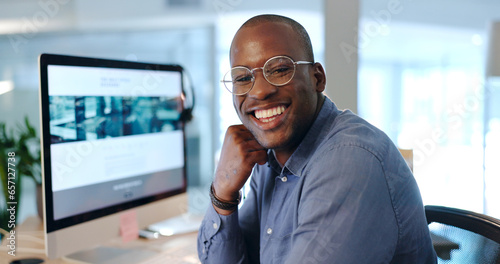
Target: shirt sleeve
{"type": "Point", "coordinates": [233, 238]}
{"type": "Point", "coordinates": [220, 239]}
{"type": "Point", "coordinates": [345, 211]}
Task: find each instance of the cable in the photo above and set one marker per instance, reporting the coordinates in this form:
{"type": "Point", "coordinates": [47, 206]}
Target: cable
{"type": "Point", "coordinates": [187, 113]}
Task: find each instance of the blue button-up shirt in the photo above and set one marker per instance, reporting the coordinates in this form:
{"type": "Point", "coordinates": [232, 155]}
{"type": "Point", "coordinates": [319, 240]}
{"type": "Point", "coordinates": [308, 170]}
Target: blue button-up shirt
{"type": "Point", "coordinates": [344, 196]}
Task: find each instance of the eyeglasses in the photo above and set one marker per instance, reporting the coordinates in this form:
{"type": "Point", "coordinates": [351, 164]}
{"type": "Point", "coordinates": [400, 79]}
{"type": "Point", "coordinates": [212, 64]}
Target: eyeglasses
{"type": "Point", "coordinates": [278, 71]}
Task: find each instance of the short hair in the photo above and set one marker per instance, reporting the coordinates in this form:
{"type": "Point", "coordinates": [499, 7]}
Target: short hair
{"type": "Point", "coordinates": [301, 32]}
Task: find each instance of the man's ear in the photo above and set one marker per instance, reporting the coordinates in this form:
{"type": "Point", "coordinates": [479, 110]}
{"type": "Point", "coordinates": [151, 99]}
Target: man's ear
{"type": "Point", "coordinates": [319, 77]}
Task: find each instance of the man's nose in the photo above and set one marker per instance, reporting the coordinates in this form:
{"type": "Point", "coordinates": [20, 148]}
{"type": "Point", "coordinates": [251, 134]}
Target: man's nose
{"type": "Point", "coordinates": [262, 89]}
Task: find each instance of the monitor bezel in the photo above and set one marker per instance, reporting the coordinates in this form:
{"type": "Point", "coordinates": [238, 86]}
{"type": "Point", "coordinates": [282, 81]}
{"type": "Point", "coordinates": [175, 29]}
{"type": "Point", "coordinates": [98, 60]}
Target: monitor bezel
{"type": "Point", "coordinates": [45, 60]}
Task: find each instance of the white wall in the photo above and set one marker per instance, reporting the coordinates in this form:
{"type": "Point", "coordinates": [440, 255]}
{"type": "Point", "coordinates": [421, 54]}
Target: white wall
{"type": "Point", "coordinates": [17, 104]}
{"type": "Point", "coordinates": [341, 52]}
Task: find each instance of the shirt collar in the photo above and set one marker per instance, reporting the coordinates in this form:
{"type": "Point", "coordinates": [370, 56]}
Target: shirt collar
{"type": "Point", "coordinates": [300, 157]}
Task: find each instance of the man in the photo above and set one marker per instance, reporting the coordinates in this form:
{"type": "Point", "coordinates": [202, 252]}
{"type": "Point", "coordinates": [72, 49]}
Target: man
{"type": "Point", "coordinates": [326, 186]}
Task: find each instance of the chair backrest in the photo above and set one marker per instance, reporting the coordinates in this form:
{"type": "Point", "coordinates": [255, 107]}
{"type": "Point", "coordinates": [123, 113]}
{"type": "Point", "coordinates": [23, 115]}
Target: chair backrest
{"type": "Point", "coordinates": [461, 236]}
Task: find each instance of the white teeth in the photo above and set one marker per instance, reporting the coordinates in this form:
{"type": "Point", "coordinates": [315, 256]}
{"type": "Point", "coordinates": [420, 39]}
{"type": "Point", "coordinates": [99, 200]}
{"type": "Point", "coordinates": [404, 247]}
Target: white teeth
{"type": "Point", "coordinates": [269, 113]}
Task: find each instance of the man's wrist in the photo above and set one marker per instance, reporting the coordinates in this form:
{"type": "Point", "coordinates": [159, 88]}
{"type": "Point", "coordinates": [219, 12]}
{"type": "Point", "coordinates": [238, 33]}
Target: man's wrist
{"type": "Point", "coordinates": [223, 204]}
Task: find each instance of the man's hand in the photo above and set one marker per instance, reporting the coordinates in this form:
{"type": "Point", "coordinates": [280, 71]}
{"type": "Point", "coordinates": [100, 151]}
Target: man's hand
{"type": "Point", "coordinates": [240, 152]}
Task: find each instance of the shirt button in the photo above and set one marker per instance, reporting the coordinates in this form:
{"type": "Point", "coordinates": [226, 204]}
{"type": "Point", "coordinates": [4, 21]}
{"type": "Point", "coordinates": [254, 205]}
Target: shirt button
{"type": "Point", "coordinates": [215, 225]}
{"type": "Point", "coordinates": [269, 231]}
{"type": "Point", "coordinates": [284, 179]}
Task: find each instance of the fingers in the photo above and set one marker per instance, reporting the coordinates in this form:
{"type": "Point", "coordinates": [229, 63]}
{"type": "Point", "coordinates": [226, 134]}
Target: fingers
{"type": "Point", "coordinates": [240, 136]}
{"type": "Point", "coordinates": [250, 147]}
{"type": "Point", "coordinates": [260, 157]}
{"type": "Point", "coordinates": [240, 152]}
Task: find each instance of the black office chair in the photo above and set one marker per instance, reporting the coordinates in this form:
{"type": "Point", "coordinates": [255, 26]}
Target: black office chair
{"type": "Point", "coordinates": [461, 236]}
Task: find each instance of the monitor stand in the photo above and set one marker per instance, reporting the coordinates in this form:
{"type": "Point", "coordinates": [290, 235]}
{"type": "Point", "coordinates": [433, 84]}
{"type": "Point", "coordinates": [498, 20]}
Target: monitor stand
{"type": "Point", "coordinates": [185, 223]}
{"type": "Point", "coordinates": [109, 255]}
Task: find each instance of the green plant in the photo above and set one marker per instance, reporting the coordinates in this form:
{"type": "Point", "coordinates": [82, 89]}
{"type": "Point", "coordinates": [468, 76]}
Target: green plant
{"type": "Point", "coordinates": [19, 157]}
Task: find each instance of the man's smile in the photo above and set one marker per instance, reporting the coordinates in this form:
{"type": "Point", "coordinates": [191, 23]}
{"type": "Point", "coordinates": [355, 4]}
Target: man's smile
{"type": "Point", "coordinates": [267, 115]}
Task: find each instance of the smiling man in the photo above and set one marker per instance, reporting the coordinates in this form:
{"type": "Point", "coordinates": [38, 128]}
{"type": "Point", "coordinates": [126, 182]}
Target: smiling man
{"type": "Point", "coordinates": [326, 186]}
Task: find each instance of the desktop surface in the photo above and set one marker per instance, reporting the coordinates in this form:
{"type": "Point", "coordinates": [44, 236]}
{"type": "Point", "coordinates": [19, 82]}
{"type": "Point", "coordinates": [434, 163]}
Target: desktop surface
{"type": "Point", "coordinates": [173, 249]}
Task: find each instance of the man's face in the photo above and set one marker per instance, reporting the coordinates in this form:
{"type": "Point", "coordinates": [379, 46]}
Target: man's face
{"type": "Point", "coordinates": [278, 117]}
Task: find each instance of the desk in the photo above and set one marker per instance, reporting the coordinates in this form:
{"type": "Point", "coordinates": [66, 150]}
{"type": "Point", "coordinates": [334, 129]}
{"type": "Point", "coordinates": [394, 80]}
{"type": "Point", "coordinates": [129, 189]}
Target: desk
{"type": "Point", "coordinates": [30, 244]}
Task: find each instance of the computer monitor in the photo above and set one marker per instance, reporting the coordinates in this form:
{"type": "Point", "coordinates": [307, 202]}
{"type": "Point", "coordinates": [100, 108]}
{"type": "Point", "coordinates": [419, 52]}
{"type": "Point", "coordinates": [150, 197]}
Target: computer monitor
{"type": "Point", "coordinates": [113, 143]}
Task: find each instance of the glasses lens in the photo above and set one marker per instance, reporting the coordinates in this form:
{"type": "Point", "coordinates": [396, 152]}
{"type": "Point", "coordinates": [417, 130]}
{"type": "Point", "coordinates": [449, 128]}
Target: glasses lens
{"type": "Point", "coordinates": [279, 71]}
{"type": "Point", "coordinates": [238, 80]}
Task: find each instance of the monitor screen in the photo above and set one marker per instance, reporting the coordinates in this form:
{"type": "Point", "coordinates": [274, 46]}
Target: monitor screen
{"type": "Point", "coordinates": [112, 137]}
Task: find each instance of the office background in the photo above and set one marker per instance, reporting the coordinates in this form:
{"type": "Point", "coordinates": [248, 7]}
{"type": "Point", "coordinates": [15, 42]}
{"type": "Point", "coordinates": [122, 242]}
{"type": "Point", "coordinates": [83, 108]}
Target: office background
{"type": "Point", "coordinates": [416, 71]}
